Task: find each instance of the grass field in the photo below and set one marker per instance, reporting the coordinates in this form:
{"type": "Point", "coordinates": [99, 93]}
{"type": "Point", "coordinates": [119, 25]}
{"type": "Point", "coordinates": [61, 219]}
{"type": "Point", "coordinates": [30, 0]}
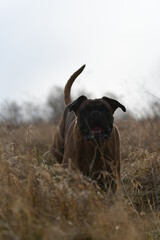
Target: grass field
{"type": "Point", "coordinates": [41, 200]}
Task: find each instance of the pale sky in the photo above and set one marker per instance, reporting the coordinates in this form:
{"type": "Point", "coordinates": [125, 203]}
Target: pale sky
{"type": "Point", "coordinates": [42, 42]}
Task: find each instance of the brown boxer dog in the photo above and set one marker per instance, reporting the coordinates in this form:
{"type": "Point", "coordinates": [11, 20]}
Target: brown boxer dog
{"type": "Point", "coordinates": [87, 138]}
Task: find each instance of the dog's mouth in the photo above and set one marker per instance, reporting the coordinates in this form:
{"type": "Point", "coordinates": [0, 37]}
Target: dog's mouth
{"type": "Point", "coordinates": [98, 133]}
{"type": "Point", "coordinates": [97, 130]}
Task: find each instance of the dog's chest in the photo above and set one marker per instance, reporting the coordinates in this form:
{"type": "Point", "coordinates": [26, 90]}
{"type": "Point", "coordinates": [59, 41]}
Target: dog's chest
{"type": "Point", "coordinates": [91, 158]}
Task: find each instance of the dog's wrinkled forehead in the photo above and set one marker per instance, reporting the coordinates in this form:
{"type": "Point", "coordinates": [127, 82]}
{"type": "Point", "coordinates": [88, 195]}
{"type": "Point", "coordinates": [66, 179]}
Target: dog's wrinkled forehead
{"type": "Point", "coordinates": [94, 104]}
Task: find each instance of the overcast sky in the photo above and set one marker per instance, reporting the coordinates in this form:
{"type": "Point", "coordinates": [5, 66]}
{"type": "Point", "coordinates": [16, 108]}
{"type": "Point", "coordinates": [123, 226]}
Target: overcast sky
{"type": "Point", "coordinates": [42, 42]}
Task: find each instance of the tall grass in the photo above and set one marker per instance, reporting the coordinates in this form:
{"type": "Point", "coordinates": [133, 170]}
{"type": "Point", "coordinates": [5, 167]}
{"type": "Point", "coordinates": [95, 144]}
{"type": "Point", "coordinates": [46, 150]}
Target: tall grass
{"type": "Point", "coordinates": [41, 200]}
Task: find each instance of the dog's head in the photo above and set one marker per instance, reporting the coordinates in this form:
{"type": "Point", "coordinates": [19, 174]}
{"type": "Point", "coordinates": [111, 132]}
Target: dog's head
{"type": "Point", "coordinates": [95, 117]}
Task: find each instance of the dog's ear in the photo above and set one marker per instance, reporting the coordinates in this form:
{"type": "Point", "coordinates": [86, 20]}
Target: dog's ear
{"type": "Point", "coordinates": [74, 106]}
{"type": "Point", "coordinates": [114, 104]}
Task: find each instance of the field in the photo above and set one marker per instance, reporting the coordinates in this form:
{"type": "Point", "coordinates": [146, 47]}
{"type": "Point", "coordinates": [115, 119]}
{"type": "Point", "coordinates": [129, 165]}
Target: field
{"type": "Point", "coordinates": [41, 200]}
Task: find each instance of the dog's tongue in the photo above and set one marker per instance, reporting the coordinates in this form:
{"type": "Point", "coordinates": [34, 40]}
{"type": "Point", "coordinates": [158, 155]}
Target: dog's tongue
{"type": "Point", "coordinates": [97, 130]}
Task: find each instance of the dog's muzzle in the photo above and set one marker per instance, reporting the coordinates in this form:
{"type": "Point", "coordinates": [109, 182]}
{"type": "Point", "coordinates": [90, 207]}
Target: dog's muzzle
{"type": "Point", "coordinates": [98, 133]}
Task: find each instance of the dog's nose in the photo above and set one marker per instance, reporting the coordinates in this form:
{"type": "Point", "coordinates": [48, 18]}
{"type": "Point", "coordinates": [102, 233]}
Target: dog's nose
{"type": "Point", "coordinates": [95, 114]}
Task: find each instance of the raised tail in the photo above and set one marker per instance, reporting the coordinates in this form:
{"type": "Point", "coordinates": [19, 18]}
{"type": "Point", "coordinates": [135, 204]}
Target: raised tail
{"type": "Point", "coordinates": [67, 89]}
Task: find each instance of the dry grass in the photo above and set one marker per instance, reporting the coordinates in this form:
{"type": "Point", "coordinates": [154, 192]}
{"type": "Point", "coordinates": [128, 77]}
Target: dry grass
{"type": "Point", "coordinates": [41, 200]}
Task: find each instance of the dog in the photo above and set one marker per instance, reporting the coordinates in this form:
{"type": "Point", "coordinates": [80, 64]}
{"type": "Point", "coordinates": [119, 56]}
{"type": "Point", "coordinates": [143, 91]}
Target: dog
{"type": "Point", "coordinates": [87, 138]}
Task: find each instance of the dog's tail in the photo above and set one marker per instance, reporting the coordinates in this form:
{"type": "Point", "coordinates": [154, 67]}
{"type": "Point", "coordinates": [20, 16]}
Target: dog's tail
{"type": "Point", "coordinates": [67, 89]}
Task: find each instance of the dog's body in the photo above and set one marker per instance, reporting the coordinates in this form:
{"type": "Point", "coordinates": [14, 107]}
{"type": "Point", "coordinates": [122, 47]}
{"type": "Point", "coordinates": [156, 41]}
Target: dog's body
{"type": "Point", "coordinates": [87, 139]}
